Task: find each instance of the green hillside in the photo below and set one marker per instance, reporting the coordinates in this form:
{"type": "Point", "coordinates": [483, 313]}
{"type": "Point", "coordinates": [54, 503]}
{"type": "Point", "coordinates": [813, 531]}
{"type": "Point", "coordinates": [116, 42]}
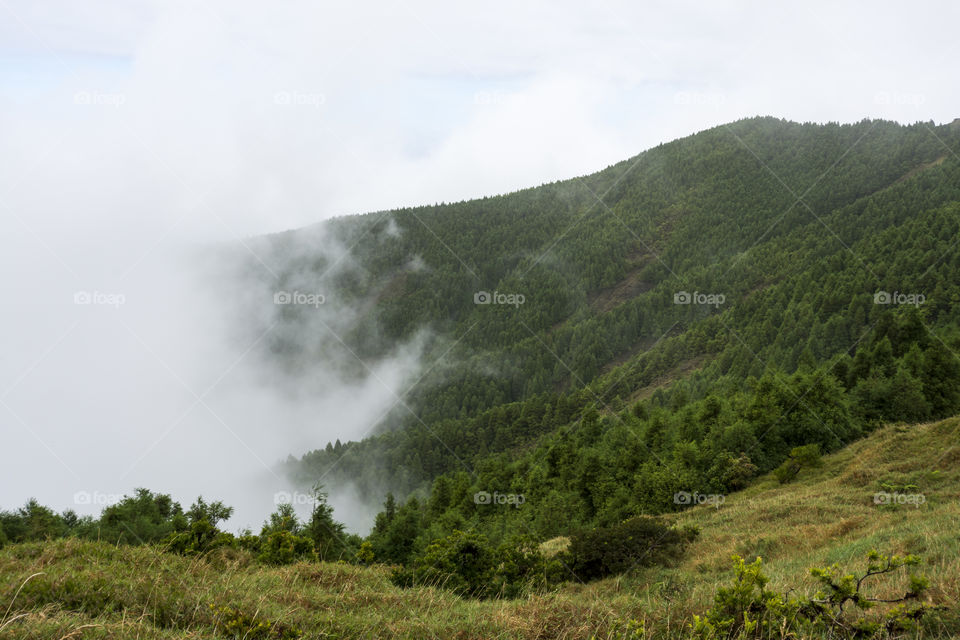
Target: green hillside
{"type": "Point", "coordinates": [68, 588]}
{"type": "Point", "coordinates": [600, 385]}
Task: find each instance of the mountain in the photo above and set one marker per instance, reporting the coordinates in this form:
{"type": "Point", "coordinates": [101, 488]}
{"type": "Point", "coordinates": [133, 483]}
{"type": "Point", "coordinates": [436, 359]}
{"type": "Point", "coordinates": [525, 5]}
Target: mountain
{"type": "Point", "coordinates": [819, 259]}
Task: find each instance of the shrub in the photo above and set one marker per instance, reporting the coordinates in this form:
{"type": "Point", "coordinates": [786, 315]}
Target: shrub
{"type": "Point", "coordinates": [200, 538]}
{"type": "Point", "coordinates": [329, 537]}
{"type": "Point", "coordinates": [467, 564]}
{"type": "Point", "coordinates": [640, 541]}
{"type": "Point", "coordinates": [626, 630]}
{"type": "Point", "coordinates": [283, 547]}
{"type": "Point", "coordinates": [234, 623]}
{"type": "Point", "coordinates": [800, 457]}
{"type": "Point", "coordinates": [364, 554]}
{"type": "Point", "coordinates": [145, 517]}
{"type": "Point", "coordinates": [747, 609]}
{"type": "Point", "coordinates": [523, 568]}
{"type": "Point", "coordinates": [734, 473]}
{"type": "Point", "coordinates": [462, 562]}
{"type": "Point", "coordinates": [32, 522]}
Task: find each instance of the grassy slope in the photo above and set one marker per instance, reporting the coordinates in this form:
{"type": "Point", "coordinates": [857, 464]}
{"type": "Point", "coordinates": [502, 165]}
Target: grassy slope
{"type": "Point", "coordinates": [827, 515]}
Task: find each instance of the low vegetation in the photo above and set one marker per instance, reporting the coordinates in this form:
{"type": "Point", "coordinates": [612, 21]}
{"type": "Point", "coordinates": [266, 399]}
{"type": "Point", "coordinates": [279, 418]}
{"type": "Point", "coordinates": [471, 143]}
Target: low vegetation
{"type": "Point", "coordinates": [827, 518]}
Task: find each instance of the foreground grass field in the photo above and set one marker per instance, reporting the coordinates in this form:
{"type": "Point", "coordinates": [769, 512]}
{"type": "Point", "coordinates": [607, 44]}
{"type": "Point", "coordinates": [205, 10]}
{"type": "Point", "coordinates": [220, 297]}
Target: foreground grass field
{"type": "Point", "coordinates": [71, 589]}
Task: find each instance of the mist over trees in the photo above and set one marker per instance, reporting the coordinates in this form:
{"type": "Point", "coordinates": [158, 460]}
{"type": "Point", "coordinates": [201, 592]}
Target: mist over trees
{"type": "Point", "coordinates": [601, 260]}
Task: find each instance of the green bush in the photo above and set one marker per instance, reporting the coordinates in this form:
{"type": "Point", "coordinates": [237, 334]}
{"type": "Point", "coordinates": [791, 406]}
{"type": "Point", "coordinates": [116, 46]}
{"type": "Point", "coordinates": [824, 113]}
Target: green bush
{"type": "Point", "coordinates": [462, 562]}
{"type": "Point", "coordinates": [522, 568]}
{"type": "Point", "coordinates": [748, 610]}
{"type": "Point", "coordinates": [467, 564]}
{"type": "Point", "coordinates": [641, 541]}
{"type": "Point", "coordinates": [364, 555]}
{"type": "Point", "coordinates": [200, 538]}
{"type": "Point", "coordinates": [32, 522]}
{"type": "Point", "coordinates": [231, 622]}
{"type": "Point", "coordinates": [800, 457]}
{"type": "Point", "coordinates": [142, 518]}
{"type": "Point", "coordinates": [283, 547]}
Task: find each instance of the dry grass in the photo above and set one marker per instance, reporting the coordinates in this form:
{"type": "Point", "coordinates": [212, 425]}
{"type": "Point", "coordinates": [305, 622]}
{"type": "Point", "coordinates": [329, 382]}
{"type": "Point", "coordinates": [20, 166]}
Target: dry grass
{"type": "Point", "coordinates": [94, 590]}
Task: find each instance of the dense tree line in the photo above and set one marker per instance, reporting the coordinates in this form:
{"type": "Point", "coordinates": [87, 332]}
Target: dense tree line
{"type": "Point", "coordinates": [155, 518]}
{"type": "Point", "coordinates": [659, 454]}
{"type": "Point", "coordinates": [716, 212]}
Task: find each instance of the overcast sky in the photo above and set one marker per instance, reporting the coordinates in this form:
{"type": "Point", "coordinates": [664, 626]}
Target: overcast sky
{"type": "Point", "coordinates": [129, 130]}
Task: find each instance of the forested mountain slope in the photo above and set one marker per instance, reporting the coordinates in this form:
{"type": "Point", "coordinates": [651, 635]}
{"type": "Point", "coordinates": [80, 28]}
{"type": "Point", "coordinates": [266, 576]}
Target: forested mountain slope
{"type": "Point", "coordinates": [796, 226]}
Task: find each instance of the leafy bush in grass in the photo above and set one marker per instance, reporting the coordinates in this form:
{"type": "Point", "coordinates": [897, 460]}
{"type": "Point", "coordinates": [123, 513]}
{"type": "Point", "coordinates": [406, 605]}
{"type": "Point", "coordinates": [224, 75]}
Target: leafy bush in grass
{"type": "Point", "coordinates": [234, 623]}
{"type": "Point", "coordinates": [749, 610]}
{"type": "Point", "coordinates": [201, 537]}
{"type": "Point", "coordinates": [637, 542]}
{"type": "Point", "coordinates": [143, 518]}
{"type": "Point", "coordinates": [197, 532]}
{"type": "Point", "coordinates": [462, 562]}
{"type": "Point", "coordinates": [284, 547]}
{"type": "Point", "coordinates": [800, 457]}
{"type": "Point", "coordinates": [469, 565]}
